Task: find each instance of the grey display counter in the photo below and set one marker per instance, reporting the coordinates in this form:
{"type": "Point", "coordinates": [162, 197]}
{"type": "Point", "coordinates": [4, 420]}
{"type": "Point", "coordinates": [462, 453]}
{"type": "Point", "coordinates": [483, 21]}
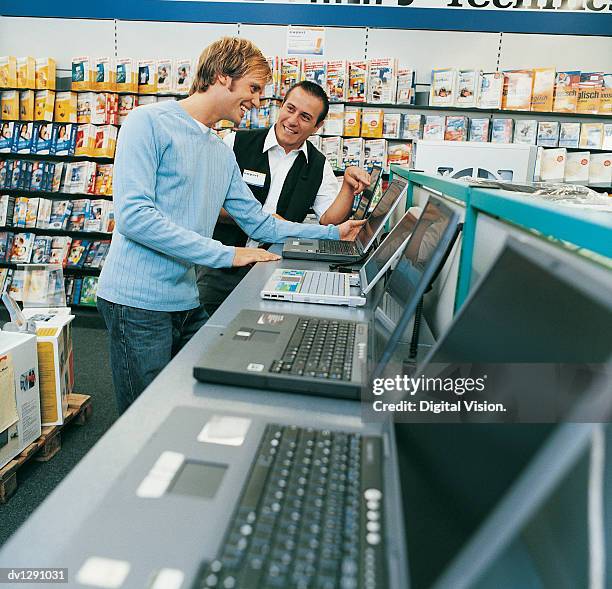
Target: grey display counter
{"type": "Point", "coordinates": [47, 536]}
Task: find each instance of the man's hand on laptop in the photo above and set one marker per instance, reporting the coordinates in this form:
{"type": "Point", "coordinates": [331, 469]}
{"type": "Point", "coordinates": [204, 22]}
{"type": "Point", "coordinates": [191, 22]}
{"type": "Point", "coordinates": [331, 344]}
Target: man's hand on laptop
{"type": "Point", "coordinates": [249, 255]}
{"type": "Point", "coordinates": [349, 229]}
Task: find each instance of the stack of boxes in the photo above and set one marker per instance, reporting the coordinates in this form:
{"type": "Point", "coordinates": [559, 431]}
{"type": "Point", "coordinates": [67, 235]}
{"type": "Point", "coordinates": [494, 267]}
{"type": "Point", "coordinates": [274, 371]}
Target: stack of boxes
{"type": "Point", "coordinates": [19, 394]}
{"type": "Point", "coordinates": [55, 361]}
{"type": "Point", "coordinates": [36, 377]}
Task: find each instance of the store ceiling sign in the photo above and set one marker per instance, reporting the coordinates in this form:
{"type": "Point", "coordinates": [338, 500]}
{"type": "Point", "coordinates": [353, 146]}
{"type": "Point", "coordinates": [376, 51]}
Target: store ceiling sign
{"type": "Point", "coordinates": [546, 5]}
{"type": "Point", "coordinates": [305, 40]}
{"type": "Point", "coordinates": [550, 5]}
{"type": "Point", "coordinates": [563, 17]}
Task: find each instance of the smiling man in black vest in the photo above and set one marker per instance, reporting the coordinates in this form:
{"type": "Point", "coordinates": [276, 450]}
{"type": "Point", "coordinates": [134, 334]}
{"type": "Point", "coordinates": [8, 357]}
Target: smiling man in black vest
{"type": "Point", "coordinates": [288, 175]}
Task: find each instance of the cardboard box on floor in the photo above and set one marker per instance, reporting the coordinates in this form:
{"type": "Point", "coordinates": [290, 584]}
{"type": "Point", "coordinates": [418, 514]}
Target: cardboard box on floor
{"type": "Point", "coordinates": [55, 361]}
{"type": "Point", "coordinates": [19, 394]}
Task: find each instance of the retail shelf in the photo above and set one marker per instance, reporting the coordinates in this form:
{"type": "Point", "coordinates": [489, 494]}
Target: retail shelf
{"type": "Point", "coordinates": [67, 270]}
{"type": "Point", "coordinates": [86, 315]}
{"type": "Point", "coordinates": [414, 107]}
{"type": "Point", "coordinates": [53, 195]}
{"type": "Point", "coordinates": [600, 187]}
{"type": "Point", "coordinates": [407, 140]}
{"type": "Point", "coordinates": [22, 89]}
{"type": "Point", "coordinates": [65, 84]}
{"type": "Point", "coordinates": [533, 114]}
{"type": "Point", "coordinates": [58, 158]}
{"type": "Point", "coordinates": [591, 149]}
{"type": "Point", "coordinates": [92, 235]}
{"type": "Point", "coordinates": [366, 138]}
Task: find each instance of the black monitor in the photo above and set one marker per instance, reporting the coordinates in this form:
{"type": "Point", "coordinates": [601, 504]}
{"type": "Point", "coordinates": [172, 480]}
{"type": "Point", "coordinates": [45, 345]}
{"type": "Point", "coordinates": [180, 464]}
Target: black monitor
{"type": "Point", "coordinates": [505, 505]}
{"type": "Point", "coordinates": [533, 305]}
{"type": "Point", "coordinates": [553, 526]}
{"type": "Point", "coordinates": [425, 251]}
{"type": "Point", "coordinates": [361, 212]}
{"type": "Point", "coordinates": [531, 331]}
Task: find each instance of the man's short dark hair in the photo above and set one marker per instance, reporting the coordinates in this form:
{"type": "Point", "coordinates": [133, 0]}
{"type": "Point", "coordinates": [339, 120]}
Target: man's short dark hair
{"type": "Point", "coordinates": [314, 90]}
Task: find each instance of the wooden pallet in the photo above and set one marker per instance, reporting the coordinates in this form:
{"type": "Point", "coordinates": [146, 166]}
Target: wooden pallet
{"type": "Point", "coordinates": [47, 446]}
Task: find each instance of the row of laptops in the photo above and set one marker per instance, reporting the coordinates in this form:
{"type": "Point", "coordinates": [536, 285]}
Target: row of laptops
{"type": "Point", "coordinates": [335, 288]}
{"type": "Point", "coordinates": [282, 351]}
{"type": "Point", "coordinates": [517, 313]}
{"type": "Point", "coordinates": [531, 306]}
{"type": "Point", "coordinates": [276, 497]}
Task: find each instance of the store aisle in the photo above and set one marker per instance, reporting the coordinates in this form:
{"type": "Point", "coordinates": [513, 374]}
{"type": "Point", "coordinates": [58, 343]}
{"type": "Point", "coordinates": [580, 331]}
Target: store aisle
{"type": "Point", "coordinates": [92, 377]}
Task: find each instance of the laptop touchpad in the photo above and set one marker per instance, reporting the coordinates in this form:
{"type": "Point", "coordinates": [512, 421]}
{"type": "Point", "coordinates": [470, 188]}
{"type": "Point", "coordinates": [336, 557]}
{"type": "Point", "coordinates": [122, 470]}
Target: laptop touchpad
{"type": "Point", "coordinates": [265, 336]}
{"type": "Point", "coordinates": [256, 335]}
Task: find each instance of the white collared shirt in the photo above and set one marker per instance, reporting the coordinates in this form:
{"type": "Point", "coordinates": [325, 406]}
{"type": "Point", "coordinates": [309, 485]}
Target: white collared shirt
{"type": "Point", "coordinates": [202, 126]}
{"type": "Point", "coordinates": [280, 164]}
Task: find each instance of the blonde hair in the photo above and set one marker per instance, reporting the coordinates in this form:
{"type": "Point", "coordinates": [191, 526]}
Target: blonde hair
{"type": "Point", "coordinates": [229, 56]}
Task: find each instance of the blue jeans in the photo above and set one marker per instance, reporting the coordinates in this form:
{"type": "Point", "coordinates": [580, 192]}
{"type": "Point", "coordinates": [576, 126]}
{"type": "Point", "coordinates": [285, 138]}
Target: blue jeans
{"type": "Point", "coordinates": [143, 342]}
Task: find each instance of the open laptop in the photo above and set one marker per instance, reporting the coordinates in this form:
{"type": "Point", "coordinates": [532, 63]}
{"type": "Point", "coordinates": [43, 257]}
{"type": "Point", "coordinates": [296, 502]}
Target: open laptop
{"type": "Point", "coordinates": [363, 206]}
{"type": "Point", "coordinates": [334, 288]}
{"type": "Point", "coordinates": [281, 351]}
{"type": "Point", "coordinates": [293, 498]}
{"type": "Point", "coordinates": [350, 251]}
{"type": "Point", "coordinates": [520, 491]}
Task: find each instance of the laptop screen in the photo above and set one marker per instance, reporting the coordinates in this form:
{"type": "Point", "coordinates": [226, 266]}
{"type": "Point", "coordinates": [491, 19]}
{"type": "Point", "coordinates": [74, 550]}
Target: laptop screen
{"type": "Point", "coordinates": [381, 212]}
{"type": "Point", "coordinates": [388, 247]}
{"type": "Point", "coordinates": [554, 311]}
{"type": "Point", "coordinates": [368, 193]}
{"type": "Point", "coordinates": [527, 511]}
{"type": "Point", "coordinates": [531, 306]}
{"type": "Point", "coordinates": [417, 265]}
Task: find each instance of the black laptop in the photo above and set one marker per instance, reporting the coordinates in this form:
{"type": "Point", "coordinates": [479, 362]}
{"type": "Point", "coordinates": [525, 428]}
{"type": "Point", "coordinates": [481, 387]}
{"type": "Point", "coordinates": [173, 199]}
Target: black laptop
{"type": "Point", "coordinates": [513, 496]}
{"type": "Point", "coordinates": [281, 351]}
{"type": "Point", "coordinates": [333, 250]}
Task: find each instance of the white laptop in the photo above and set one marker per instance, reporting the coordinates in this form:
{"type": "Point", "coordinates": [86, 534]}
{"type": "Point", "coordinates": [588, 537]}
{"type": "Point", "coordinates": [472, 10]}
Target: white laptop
{"type": "Point", "coordinates": [334, 288]}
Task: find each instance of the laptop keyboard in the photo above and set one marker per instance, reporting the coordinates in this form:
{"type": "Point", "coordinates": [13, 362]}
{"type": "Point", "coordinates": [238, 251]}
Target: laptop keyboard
{"type": "Point", "coordinates": [310, 516]}
{"type": "Point", "coordinates": [321, 348]}
{"type": "Point", "coordinates": [336, 246]}
{"type": "Point", "coordinates": [330, 283]}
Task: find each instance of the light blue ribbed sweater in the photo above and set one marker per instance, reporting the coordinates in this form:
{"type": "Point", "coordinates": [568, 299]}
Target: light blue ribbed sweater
{"type": "Point", "coordinates": [170, 181]}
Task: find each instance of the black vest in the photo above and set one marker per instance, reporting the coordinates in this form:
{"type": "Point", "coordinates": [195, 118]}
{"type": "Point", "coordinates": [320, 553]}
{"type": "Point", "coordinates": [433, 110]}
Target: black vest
{"type": "Point", "coordinates": [299, 190]}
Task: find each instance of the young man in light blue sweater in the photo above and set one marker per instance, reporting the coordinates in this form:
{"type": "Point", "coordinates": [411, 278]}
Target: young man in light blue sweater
{"type": "Point", "coordinates": [172, 176]}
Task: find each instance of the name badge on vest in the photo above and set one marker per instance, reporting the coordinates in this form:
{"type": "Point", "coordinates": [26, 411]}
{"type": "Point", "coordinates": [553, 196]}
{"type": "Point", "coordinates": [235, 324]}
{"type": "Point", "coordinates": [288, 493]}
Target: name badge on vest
{"type": "Point", "coordinates": [254, 178]}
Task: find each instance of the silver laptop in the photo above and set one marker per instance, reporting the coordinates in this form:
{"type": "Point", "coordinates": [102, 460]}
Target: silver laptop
{"type": "Point", "coordinates": [334, 288]}
{"type": "Point", "coordinates": [350, 251]}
